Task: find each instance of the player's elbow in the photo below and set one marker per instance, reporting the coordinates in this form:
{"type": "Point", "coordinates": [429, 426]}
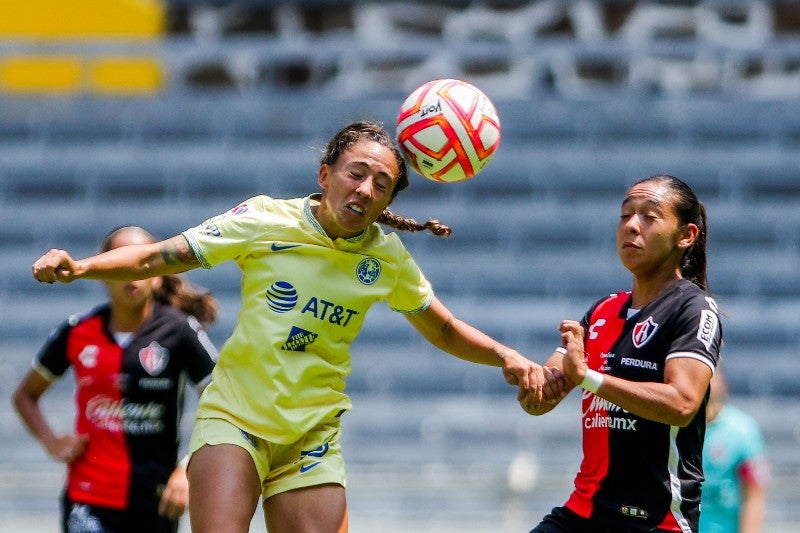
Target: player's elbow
{"type": "Point", "coordinates": [683, 415]}
{"type": "Point", "coordinates": [19, 398]}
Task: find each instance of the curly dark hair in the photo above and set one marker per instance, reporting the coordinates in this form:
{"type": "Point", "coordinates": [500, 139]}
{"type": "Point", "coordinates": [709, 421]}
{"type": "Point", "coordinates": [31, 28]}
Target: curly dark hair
{"type": "Point", "coordinates": [375, 131]}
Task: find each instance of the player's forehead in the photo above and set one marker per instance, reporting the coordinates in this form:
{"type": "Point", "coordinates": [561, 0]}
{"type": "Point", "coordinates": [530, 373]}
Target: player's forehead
{"type": "Point", "coordinates": [649, 193]}
{"type": "Point", "coordinates": [373, 155]}
{"type": "Point", "coordinates": [130, 235]}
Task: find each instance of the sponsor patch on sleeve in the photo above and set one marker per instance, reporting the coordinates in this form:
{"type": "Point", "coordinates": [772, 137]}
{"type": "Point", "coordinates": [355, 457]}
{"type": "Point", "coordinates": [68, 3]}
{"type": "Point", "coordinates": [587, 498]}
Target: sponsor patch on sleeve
{"type": "Point", "coordinates": [707, 330]}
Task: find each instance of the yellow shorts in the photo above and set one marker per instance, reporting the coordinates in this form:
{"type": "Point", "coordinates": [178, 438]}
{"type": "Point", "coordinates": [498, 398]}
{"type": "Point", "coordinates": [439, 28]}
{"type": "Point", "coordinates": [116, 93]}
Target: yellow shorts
{"type": "Point", "coordinates": [315, 459]}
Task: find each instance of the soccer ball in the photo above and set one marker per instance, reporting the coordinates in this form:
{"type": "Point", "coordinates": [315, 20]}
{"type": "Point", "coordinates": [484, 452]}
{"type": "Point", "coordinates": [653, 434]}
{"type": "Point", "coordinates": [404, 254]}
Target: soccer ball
{"type": "Point", "coordinates": [448, 130]}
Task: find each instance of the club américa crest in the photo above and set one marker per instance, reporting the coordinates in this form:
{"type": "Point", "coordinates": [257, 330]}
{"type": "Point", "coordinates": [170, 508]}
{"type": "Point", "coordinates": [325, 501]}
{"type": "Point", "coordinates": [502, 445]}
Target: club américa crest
{"type": "Point", "coordinates": [368, 270]}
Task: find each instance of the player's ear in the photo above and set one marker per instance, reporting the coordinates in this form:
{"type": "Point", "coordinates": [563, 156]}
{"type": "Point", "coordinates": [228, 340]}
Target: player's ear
{"type": "Point", "coordinates": [322, 176]}
{"type": "Point", "coordinates": [688, 236]}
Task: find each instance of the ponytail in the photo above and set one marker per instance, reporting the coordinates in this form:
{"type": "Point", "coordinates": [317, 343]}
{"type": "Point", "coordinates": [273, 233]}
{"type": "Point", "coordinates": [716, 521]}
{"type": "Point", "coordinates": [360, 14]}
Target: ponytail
{"type": "Point", "coordinates": [177, 292]}
{"type": "Point", "coordinates": [693, 265]}
{"type": "Point", "coordinates": [409, 224]}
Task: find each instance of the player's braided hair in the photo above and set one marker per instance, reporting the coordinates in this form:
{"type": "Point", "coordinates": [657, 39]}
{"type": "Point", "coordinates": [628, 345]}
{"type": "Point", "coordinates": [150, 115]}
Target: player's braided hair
{"type": "Point", "coordinates": [409, 224]}
{"type": "Point", "coordinates": [374, 131]}
{"type": "Point", "coordinates": [689, 210]}
{"type": "Point", "coordinates": [175, 290]}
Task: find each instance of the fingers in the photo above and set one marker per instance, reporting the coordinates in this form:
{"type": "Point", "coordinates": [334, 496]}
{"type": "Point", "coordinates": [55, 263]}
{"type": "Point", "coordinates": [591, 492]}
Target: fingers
{"type": "Point", "coordinates": [530, 392]}
{"type": "Point", "coordinates": [173, 502]}
{"type": "Point", "coordinates": [555, 387]}
{"type": "Point", "coordinates": [537, 380]}
{"type": "Point", "coordinates": [515, 370]}
{"type": "Point", "coordinates": [174, 495]}
{"type": "Point", "coordinates": [571, 325]}
{"type": "Point", "coordinates": [55, 265]}
{"type": "Point", "coordinates": [510, 377]}
{"type": "Point", "coordinates": [170, 507]}
{"type": "Point", "coordinates": [68, 448]}
{"type": "Point", "coordinates": [527, 402]}
{"type": "Point", "coordinates": [67, 455]}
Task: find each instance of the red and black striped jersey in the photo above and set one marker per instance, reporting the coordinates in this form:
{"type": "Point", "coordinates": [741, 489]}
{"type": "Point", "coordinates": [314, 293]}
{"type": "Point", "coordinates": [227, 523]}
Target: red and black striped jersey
{"type": "Point", "coordinates": [129, 400]}
{"type": "Point", "coordinates": [636, 472]}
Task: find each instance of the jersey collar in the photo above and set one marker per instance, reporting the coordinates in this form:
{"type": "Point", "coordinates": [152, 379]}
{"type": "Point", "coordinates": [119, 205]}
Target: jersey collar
{"type": "Point", "coordinates": [339, 243]}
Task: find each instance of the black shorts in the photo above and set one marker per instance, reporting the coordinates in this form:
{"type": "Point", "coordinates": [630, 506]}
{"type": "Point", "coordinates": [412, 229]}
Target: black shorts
{"type": "Point", "coordinates": [562, 520]}
{"type": "Point", "coordinates": [79, 517]}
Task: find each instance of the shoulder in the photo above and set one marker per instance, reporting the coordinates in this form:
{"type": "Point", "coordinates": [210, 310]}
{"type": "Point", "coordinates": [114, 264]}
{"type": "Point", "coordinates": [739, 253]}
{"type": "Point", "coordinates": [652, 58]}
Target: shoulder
{"type": "Point", "coordinates": [90, 325]}
{"type": "Point", "coordinates": [100, 312]}
{"type": "Point", "coordinates": [167, 312]}
{"type": "Point", "coordinates": [264, 205]}
{"type": "Point", "coordinates": [380, 243]}
{"type": "Point", "coordinates": [738, 418]}
{"type": "Point", "coordinates": [694, 296]}
{"type": "Point", "coordinates": [168, 315]}
{"type": "Point", "coordinates": [611, 303]}
{"type": "Point", "coordinates": [175, 323]}
{"type": "Point", "coordinates": [697, 305]}
{"type": "Point", "coordinates": [269, 212]}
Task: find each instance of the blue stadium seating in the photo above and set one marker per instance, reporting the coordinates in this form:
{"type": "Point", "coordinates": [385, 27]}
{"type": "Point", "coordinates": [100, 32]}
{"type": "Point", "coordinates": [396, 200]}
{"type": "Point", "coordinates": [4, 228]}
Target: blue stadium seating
{"type": "Point", "coordinates": [533, 237]}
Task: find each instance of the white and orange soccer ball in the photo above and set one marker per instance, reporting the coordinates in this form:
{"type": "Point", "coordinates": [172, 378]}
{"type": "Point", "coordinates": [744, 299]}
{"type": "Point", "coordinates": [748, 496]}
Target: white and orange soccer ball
{"type": "Point", "coordinates": [448, 130]}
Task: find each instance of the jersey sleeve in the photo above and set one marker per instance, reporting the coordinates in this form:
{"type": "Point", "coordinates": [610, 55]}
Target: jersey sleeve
{"type": "Point", "coordinates": [698, 332]}
{"type": "Point", "coordinates": [201, 354]}
{"type": "Point", "coordinates": [753, 466]}
{"type": "Point", "coordinates": [51, 360]}
{"type": "Point", "coordinates": [587, 317]}
{"type": "Point", "coordinates": [228, 235]}
{"type": "Point", "coordinates": [412, 291]}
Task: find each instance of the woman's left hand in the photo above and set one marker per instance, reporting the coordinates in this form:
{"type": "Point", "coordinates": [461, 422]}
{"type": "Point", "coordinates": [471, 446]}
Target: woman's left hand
{"type": "Point", "coordinates": [175, 496]}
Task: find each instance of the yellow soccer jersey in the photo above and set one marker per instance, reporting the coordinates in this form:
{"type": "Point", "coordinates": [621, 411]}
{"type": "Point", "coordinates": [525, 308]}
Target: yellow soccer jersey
{"type": "Point", "coordinates": [304, 300]}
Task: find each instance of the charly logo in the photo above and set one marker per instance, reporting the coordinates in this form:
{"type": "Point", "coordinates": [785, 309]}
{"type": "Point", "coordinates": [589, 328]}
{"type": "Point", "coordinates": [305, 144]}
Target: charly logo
{"type": "Point", "coordinates": [368, 271]}
{"type": "Point", "coordinates": [593, 333]}
{"type": "Point", "coordinates": [88, 356]}
{"type": "Point", "coordinates": [281, 296]}
{"type": "Point", "coordinates": [154, 358]}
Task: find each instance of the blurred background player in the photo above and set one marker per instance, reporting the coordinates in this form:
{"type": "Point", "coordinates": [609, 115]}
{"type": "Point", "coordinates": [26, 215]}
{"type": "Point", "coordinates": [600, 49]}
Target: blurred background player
{"type": "Point", "coordinates": [131, 358]}
{"type": "Point", "coordinates": [735, 467]}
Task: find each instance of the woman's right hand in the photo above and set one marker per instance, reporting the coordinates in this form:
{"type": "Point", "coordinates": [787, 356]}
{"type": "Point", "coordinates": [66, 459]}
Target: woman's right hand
{"type": "Point", "coordinates": [67, 448]}
{"type": "Point", "coordinates": [574, 362]}
{"type": "Point", "coordinates": [55, 265]}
